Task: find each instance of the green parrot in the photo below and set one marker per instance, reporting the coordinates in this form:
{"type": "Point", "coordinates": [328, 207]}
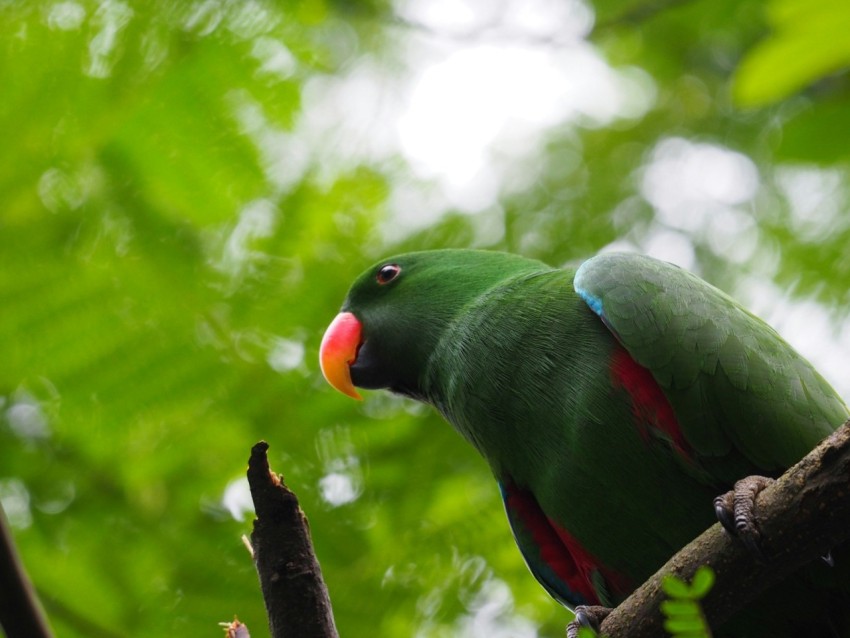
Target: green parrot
{"type": "Point", "coordinates": [613, 402]}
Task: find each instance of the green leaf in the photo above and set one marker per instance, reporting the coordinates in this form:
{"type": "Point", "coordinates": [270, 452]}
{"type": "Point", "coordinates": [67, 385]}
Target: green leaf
{"type": "Point", "coordinates": [808, 42]}
{"type": "Point", "coordinates": [676, 588]}
{"type": "Point", "coordinates": [677, 626]}
{"type": "Point", "coordinates": [702, 582]}
{"type": "Point", "coordinates": [674, 607]}
{"type": "Point", "coordinates": [684, 618]}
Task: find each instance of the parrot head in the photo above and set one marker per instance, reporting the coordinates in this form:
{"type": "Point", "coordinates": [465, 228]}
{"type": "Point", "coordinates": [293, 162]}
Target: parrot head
{"type": "Point", "coordinates": [399, 309]}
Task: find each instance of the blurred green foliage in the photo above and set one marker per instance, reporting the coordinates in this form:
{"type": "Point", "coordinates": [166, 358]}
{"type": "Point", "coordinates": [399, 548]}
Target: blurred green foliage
{"type": "Point", "coordinates": [172, 245]}
{"type": "Point", "coordinates": [807, 43]}
{"type": "Point", "coordinates": [682, 612]}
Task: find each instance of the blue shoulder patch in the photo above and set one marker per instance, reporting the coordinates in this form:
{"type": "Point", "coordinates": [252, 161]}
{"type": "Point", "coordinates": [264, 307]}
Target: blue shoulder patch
{"type": "Point", "coordinates": [595, 303]}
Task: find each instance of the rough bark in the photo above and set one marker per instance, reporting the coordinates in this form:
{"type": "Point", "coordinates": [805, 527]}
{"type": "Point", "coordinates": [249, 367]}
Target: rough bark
{"type": "Point", "coordinates": [804, 514]}
{"type": "Point", "coordinates": [295, 594]}
{"type": "Point", "coordinates": [21, 615]}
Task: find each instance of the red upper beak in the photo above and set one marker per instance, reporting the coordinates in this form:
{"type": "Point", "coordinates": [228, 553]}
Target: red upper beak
{"type": "Point", "coordinates": [339, 350]}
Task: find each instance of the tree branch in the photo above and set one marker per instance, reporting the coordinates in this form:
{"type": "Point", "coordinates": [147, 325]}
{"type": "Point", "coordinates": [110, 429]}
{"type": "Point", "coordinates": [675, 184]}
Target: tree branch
{"type": "Point", "coordinates": [21, 615]}
{"type": "Point", "coordinates": [803, 515]}
{"type": "Point", "coordinates": [296, 598]}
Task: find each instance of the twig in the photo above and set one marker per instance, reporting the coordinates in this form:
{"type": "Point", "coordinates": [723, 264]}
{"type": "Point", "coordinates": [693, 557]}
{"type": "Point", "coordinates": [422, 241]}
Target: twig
{"type": "Point", "coordinates": [296, 597]}
{"type": "Point", "coordinates": [21, 615]}
{"type": "Point", "coordinates": [803, 515]}
{"type": "Point", "coordinates": [235, 629]}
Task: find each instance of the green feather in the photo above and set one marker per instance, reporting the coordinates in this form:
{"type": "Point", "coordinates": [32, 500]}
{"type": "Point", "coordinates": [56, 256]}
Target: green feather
{"type": "Point", "coordinates": [734, 383]}
{"type": "Point", "coordinates": [518, 357]}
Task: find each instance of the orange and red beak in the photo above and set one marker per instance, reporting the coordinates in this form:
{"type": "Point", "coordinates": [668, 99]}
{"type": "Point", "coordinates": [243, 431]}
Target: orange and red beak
{"type": "Point", "coordinates": [339, 350]}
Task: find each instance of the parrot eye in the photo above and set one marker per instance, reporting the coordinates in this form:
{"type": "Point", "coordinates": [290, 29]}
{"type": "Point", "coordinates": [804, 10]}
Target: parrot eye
{"type": "Point", "coordinates": [387, 273]}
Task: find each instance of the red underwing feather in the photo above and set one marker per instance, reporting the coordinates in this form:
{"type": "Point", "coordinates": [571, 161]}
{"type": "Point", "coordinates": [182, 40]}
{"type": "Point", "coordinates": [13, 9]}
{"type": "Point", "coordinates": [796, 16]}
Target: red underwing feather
{"type": "Point", "coordinates": [650, 406]}
{"type": "Point", "coordinates": [580, 574]}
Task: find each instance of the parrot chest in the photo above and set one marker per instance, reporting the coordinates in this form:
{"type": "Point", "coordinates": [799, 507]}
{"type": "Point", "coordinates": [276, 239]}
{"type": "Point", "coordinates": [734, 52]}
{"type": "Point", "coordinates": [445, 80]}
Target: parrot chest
{"type": "Point", "coordinates": [556, 406]}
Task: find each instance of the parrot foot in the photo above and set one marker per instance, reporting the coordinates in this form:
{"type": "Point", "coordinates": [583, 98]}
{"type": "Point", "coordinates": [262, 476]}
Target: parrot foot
{"type": "Point", "coordinates": [736, 512]}
{"type": "Point", "coordinates": [590, 616]}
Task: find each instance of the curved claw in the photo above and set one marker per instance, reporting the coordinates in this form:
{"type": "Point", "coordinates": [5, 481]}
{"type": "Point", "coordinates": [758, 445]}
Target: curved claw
{"type": "Point", "coordinates": [723, 507]}
{"type": "Point", "coordinates": [736, 512]}
{"type": "Point", "coordinates": [590, 616]}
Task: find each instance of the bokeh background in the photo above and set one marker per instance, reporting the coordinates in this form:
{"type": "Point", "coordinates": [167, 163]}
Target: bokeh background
{"type": "Point", "coordinates": [187, 188]}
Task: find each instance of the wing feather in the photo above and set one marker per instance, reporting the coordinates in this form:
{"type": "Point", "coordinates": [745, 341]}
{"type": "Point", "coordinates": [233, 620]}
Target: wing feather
{"type": "Point", "coordinates": [736, 386]}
